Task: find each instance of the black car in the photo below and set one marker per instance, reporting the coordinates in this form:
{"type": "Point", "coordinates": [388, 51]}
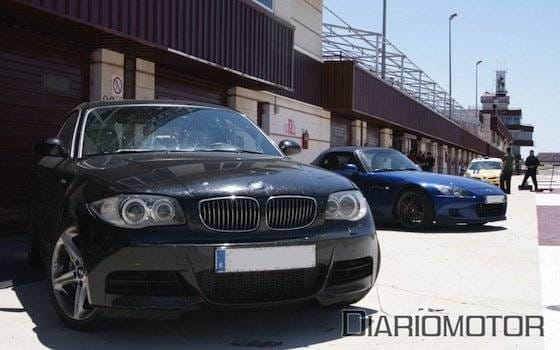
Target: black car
{"type": "Point", "coordinates": [175, 206]}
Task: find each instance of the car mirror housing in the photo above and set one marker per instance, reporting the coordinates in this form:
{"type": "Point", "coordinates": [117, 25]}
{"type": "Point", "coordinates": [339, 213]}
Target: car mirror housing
{"type": "Point", "coordinates": [51, 147]}
{"type": "Point", "coordinates": [350, 169]}
{"type": "Point", "coordinates": [289, 147]}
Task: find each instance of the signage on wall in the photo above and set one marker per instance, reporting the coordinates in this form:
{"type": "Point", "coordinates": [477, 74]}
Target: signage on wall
{"type": "Point", "coordinates": [116, 89]}
{"type": "Point", "coordinates": [290, 127]}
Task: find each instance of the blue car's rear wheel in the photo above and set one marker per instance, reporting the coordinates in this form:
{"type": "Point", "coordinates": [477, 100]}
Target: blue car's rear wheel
{"type": "Point", "coordinates": [414, 210]}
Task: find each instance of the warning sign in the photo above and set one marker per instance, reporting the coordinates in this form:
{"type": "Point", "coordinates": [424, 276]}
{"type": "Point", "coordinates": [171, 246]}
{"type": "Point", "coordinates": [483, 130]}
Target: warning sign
{"type": "Point", "coordinates": [117, 86]}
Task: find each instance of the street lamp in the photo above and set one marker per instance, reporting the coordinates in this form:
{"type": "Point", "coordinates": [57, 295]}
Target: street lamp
{"type": "Point", "coordinates": [476, 87]}
{"type": "Point", "coordinates": [450, 97]}
{"type": "Point", "coordinates": [384, 36]}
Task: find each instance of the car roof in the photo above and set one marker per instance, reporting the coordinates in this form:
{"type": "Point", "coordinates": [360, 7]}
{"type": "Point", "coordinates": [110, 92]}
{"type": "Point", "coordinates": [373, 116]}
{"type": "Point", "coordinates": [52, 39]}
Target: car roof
{"type": "Point", "coordinates": [487, 159]}
{"type": "Point", "coordinates": [95, 104]}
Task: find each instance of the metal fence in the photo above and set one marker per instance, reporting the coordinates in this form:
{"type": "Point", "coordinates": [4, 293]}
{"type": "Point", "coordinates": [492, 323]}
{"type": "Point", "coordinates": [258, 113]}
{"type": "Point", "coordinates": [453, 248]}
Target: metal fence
{"type": "Point", "coordinates": [344, 42]}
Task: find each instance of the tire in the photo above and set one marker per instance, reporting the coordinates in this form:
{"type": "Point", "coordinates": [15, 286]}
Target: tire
{"type": "Point", "coordinates": [414, 210]}
{"type": "Point", "coordinates": [67, 281]}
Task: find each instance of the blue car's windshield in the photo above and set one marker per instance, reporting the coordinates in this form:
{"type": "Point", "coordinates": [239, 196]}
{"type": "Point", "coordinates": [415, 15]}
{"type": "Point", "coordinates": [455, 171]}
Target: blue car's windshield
{"type": "Point", "coordinates": [376, 160]}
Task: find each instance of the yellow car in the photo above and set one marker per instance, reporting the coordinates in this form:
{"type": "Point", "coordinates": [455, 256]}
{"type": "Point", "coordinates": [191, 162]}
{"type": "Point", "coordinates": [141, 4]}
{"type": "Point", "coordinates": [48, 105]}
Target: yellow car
{"type": "Point", "coordinates": [486, 169]}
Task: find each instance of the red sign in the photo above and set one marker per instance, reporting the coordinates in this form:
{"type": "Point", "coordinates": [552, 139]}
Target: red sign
{"type": "Point", "coordinates": [290, 127]}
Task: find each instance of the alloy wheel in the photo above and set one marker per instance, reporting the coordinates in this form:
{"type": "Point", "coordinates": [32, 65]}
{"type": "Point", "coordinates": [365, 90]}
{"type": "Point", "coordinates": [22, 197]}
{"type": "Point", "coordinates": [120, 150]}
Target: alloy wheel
{"type": "Point", "coordinates": [411, 210]}
{"type": "Point", "coordinates": [69, 277]}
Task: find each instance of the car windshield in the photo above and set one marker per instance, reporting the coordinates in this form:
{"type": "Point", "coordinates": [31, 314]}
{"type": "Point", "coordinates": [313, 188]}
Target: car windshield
{"type": "Point", "coordinates": [120, 129]}
{"type": "Point", "coordinates": [485, 165]}
{"type": "Point", "coordinates": [377, 160]}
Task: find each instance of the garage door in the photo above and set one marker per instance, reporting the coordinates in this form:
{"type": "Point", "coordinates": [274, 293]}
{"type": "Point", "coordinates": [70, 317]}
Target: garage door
{"type": "Point", "coordinates": [38, 87]}
{"type": "Point", "coordinates": [340, 131]}
{"type": "Point", "coordinates": [173, 85]}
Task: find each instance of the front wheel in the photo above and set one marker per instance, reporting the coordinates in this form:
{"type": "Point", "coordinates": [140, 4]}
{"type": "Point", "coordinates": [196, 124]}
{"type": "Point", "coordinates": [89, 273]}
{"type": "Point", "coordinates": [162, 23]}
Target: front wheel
{"type": "Point", "coordinates": [69, 284]}
{"type": "Point", "coordinates": [414, 210]}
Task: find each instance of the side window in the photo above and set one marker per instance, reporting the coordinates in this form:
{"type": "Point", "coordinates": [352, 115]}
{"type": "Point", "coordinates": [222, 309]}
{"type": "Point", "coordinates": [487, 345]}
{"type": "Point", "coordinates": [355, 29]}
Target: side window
{"type": "Point", "coordinates": [337, 161]}
{"type": "Point", "coordinates": [66, 133]}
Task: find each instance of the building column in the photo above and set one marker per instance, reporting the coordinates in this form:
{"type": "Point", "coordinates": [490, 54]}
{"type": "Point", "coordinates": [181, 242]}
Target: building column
{"type": "Point", "coordinates": [452, 161]}
{"type": "Point", "coordinates": [444, 159]}
{"type": "Point", "coordinates": [407, 143]}
{"type": "Point", "coordinates": [242, 104]}
{"type": "Point", "coordinates": [459, 161]}
{"type": "Point", "coordinates": [145, 80]}
{"type": "Point", "coordinates": [386, 137]}
{"type": "Point", "coordinates": [434, 149]}
{"type": "Point", "coordinates": [106, 80]}
{"type": "Point", "coordinates": [357, 135]}
{"type": "Point", "coordinates": [424, 145]}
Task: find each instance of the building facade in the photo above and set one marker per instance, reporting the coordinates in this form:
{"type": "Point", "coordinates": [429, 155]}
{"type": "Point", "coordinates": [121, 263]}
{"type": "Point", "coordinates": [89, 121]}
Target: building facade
{"type": "Point", "coordinates": [495, 107]}
{"type": "Point", "coordinates": [264, 58]}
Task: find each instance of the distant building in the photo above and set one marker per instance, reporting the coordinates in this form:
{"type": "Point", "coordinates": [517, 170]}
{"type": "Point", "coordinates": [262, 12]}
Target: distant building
{"type": "Point", "coordinates": [549, 158]}
{"type": "Point", "coordinates": [495, 108]}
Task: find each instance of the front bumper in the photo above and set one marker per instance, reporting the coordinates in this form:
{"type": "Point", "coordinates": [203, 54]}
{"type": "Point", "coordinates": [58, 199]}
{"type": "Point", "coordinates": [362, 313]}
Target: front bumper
{"type": "Point", "coordinates": [450, 210]}
{"type": "Point", "coordinates": [182, 276]}
{"type": "Point", "coordinates": [491, 180]}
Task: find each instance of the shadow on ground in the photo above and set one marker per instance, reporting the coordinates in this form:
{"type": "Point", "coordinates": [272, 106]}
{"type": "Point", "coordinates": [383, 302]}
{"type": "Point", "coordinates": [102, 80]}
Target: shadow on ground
{"type": "Point", "coordinates": [278, 328]}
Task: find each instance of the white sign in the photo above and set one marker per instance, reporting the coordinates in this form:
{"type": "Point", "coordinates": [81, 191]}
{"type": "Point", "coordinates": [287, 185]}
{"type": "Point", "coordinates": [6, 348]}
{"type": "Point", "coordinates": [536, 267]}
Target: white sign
{"type": "Point", "coordinates": [117, 86]}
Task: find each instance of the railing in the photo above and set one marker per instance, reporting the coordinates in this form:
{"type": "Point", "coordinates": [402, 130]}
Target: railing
{"type": "Point", "coordinates": [344, 42]}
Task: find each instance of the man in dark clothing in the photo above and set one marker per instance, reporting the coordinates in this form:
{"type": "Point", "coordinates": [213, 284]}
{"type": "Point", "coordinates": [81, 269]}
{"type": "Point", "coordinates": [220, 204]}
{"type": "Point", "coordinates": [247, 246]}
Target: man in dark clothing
{"type": "Point", "coordinates": [532, 164]}
{"type": "Point", "coordinates": [507, 171]}
{"type": "Point", "coordinates": [429, 162]}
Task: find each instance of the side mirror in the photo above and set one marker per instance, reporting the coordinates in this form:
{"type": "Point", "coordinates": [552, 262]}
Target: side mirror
{"type": "Point", "coordinates": [289, 147]}
{"type": "Point", "coordinates": [350, 169]}
{"type": "Point", "coordinates": [50, 147]}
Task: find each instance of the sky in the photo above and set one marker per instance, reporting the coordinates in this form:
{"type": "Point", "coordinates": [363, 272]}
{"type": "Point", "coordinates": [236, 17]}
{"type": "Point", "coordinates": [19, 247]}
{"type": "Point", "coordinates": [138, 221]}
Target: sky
{"type": "Point", "coordinates": [522, 36]}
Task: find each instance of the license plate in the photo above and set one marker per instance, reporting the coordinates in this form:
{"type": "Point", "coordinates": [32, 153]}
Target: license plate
{"type": "Point", "coordinates": [264, 258]}
{"type": "Point", "coordinates": [495, 199]}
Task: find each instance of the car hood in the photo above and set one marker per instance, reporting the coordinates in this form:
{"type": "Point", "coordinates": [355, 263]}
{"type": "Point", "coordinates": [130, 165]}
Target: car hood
{"type": "Point", "coordinates": [484, 172]}
{"type": "Point", "coordinates": [196, 175]}
{"type": "Point", "coordinates": [427, 179]}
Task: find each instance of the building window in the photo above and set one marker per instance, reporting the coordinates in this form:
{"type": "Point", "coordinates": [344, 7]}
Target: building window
{"type": "Point", "coordinates": [267, 4]}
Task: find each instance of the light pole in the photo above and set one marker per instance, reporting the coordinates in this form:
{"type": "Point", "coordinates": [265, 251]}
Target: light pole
{"type": "Point", "coordinates": [450, 95]}
{"type": "Point", "coordinates": [384, 36]}
{"type": "Point", "coordinates": [476, 87]}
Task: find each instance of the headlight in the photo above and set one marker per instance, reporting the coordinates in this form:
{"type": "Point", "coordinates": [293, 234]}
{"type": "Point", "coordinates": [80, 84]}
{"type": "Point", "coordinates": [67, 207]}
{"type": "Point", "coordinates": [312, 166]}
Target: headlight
{"type": "Point", "coordinates": [346, 205]}
{"type": "Point", "coordinates": [454, 191]}
{"type": "Point", "coordinates": [138, 211]}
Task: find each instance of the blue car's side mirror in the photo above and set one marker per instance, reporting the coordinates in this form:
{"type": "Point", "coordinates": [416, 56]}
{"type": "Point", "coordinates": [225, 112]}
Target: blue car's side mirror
{"type": "Point", "coordinates": [350, 169]}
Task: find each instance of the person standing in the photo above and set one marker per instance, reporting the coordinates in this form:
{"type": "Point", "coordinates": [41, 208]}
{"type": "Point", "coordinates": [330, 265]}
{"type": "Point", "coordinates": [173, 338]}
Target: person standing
{"type": "Point", "coordinates": [507, 171]}
{"type": "Point", "coordinates": [532, 164]}
{"type": "Point", "coordinates": [429, 162]}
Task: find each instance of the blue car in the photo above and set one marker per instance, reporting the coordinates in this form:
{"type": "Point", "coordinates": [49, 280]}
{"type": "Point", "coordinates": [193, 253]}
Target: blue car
{"type": "Point", "coordinates": [399, 192]}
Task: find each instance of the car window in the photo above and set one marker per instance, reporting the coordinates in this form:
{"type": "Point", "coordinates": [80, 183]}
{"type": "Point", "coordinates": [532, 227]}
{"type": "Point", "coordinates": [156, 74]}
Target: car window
{"type": "Point", "coordinates": [171, 128]}
{"type": "Point", "coordinates": [337, 161]}
{"type": "Point", "coordinates": [386, 160]}
{"type": "Point", "coordinates": [485, 165]}
{"type": "Point", "coordinates": [66, 133]}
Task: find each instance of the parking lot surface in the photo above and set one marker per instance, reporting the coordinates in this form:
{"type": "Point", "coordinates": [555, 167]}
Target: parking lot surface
{"type": "Point", "coordinates": [453, 272]}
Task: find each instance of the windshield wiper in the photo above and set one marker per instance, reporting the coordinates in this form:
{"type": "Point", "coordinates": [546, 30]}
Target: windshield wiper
{"type": "Point", "coordinates": [382, 170]}
{"type": "Point", "coordinates": [130, 150]}
{"type": "Point", "coordinates": [230, 150]}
